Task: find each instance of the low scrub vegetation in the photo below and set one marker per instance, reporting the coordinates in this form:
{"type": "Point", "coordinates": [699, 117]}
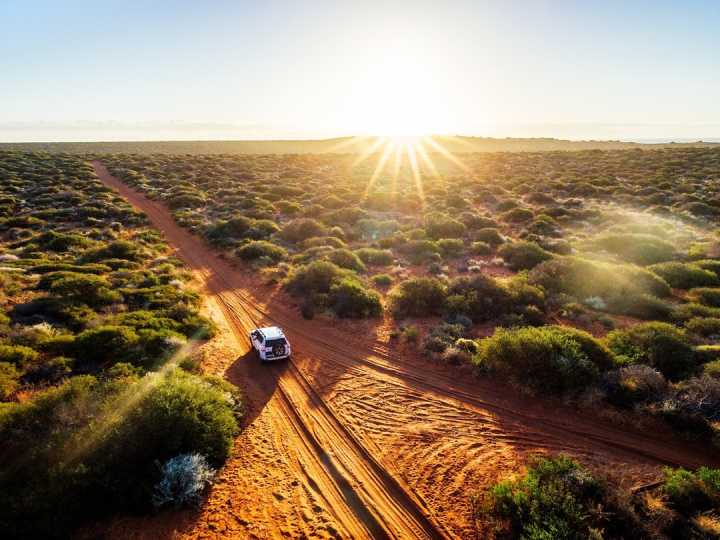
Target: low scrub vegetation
{"type": "Point", "coordinates": [93, 314]}
{"type": "Point", "coordinates": [559, 498]}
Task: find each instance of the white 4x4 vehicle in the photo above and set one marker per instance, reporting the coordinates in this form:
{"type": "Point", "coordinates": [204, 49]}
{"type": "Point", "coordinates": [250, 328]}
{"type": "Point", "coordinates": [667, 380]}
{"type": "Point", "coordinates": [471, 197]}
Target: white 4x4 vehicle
{"type": "Point", "coordinates": [270, 343]}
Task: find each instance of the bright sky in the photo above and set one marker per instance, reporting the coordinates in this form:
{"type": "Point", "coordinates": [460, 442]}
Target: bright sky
{"type": "Point", "coordinates": [83, 70]}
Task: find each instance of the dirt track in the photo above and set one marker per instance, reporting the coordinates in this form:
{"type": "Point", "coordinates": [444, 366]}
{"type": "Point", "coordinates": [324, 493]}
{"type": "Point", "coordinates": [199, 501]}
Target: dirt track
{"type": "Point", "coordinates": [351, 440]}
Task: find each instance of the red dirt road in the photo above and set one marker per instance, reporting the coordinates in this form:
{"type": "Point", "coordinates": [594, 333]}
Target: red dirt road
{"type": "Point", "coordinates": [352, 440]}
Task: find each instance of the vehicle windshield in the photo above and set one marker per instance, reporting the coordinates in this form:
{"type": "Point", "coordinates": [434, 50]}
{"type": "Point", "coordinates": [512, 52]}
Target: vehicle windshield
{"type": "Point", "coordinates": [272, 342]}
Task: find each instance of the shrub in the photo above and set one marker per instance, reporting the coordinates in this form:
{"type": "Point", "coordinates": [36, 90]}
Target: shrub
{"type": "Point", "coordinates": [349, 298]}
{"type": "Point", "coordinates": [712, 369]}
{"type": "Point", "coordinates": [708, 296]}
{"type": "Point", "coordinates": [633, 384]}
{"type": "Point", "coordinates": [418, 297]}
{"type": "Point", "coordinates": [184, 478]}
{"type": "Point", "coordinates": [9, 380]}
{"type": "Point", "coordinates": [261, 248]}
{"type": "Point", "coordinates": [684, 275]}
{"type": "Point", "coordinates": [642, 306]}
{"type": "Point", "coordinates": [375, 257]}
{"type": "Point", "coordinates": [234, 228]}
{"type": "Point", "coordinates": [345, 258]}
{"type": "Point", "coordinates": [479, 297]}
{"type": "Point", "coordinates": [709, 264]}
{"type": "Point", "coordinates": [316, 277]}
{"type": "Point", "coordinates": [690, 310]}
{"type": "Point", "coordinates": [17, 355]}
{"type": "Point", "coordinates": [641, 249]}
{"type": "Point", "coordinates": [523, 255]}
{"type": "Point", "coordinates": [441, 226]}
{"type": "Point", "coordinates": [517, 215]}
{"type": "Point", "coordinates": [699, 396]}
{"type": "Point", "coordinates": [89, 289]}
{"type": "Point", "coordinates": [557, 498]}
{"type": "Point", "coordinates": [583, 279]}
{"type": "Point", "coordinates": [105, 343]}
{"type": "Point", "coordinates": [450, 247]}
{"type": "Point", "coordinates": [489, 235]}
{"type": "Point", "coordinates": [660, 345]}
{"type": "Point", "coordinates": [551, 359]}
{"type": "Point", "coordinates": [481, 248]}
{"type": "Point", "coordinates": [704, 326]}
{"type": "Point", "coordinates": [119, 249]}
{"type": "Point", "coordinates": [443, 337]}
{"type": "Point", "coordinates": [692, 492]}
{"type": "Point", "coordinates": [61, 242]}
{"type": "Point", "coordinates": [382, 280]}
{"type": "Point", "coordinates": [79, 450]}
{"type": "Point", "coordinates": [301, 229]}
{"type": "Point", "coordinates": [419, 251]}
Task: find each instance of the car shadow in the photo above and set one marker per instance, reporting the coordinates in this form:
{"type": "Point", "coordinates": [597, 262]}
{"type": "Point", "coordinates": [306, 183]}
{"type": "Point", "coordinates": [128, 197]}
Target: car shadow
{"type": "Point", "coordinates": [258, 381]}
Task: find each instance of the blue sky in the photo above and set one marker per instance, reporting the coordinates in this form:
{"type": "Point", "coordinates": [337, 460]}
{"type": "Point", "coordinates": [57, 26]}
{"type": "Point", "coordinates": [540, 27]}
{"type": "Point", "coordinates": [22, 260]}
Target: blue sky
{"type": "Point", "coordinates": [77, 70]}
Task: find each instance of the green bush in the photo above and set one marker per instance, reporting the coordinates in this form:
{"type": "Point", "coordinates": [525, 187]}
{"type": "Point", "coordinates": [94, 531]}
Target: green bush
{"type": "Point", "coordinates": [90, 448]}
{"type": "Point", "coordinates": [704, 326]}
{"type": "Point", "coordinates": [583, 279]}
{"type": "Point", "coordinates": [551, 359]}
{"type": "Point", "coordinates": [479, 297]}
{"type": "Point", "coordinates": [301, 229]}
{"type": "Point", "coordinates": [382, 280]}
{"type": "Point", "coordinates": [316, 277]}
{"type": "Point", "coordinates": [642, 306]}
{"type": "Point", "coordinates": [523, 255]}
{"type": "Point", "coordinates": [707, 296]}
{"type": "Point", "coordinates": [349, 298]}
{"type": "Point", "coordinates": [656, 344]}
{"type": "Point", "coordinates": [559, 499]}
{"type": "Point", "coordinates": [61, 242]}
{"type": "Point", "coordinates": [375, 257]}
{"type": "Point", "coordinates": [451, 247]}
{"type": "Point", "coordinates": [119, 249]}
{"type": "Point", "coordinates": [517, 215]}
{"type": "Point", "coordinates": [418, 297]}
{"type": "Point", "coordinates": [89, 289]}
{"type": "Point", "coordinates": [106, 344]}
{"type": "Point", "coordinates": [18, 355]}
{"type": "Point", "coordinates": [345, 258]}
{"type": "Point", "coordinates": [489, 235]}
{"type": "Point", "coordinates": [712, 369]}
{"type": "Point", "coordinates": [685, 275]}
{"type": "Point", "coordinates": [692, 492]}
{"type": "Point", "coordinates": [9, 380]}
{"type": "Point", "coordinates": [442, 226]}
{"type": "Point", "coordinates": [233, 229]}
{"type": "Point", "coordinates": [261, 248]}
{"type": "Point", "coordinates": [481, 248]}
{"type": "Point", "coordinates": [419, 251]}
{"type": "Point", "coordinates": [641, 249]}
{"type": "Point", "coordinates": [690, 310]}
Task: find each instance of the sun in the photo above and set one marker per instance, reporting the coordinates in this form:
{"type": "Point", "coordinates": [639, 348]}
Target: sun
{"type": "Point", "coordinates": [396, 94]}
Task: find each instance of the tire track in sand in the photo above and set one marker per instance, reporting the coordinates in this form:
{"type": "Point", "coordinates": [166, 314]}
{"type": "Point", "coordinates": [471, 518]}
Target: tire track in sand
{"type": "Point", "coordinates": [365, 499]}
{"type": "Point", "coordinates": [469, 432]}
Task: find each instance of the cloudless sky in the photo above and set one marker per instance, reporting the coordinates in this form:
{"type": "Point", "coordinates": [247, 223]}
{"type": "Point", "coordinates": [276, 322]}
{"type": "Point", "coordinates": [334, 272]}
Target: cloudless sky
{"type": "Point", "coordinates": [272, 69]}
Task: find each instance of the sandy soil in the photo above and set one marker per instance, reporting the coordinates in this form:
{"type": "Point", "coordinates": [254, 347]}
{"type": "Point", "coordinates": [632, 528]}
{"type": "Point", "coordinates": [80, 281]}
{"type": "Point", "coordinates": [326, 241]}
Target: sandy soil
{"type": "Point", "coordinates": [356, 437]}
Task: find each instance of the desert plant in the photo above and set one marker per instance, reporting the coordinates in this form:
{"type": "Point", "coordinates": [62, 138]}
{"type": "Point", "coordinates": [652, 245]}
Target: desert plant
{"type": "Point", "coordinates": [685, 275]}
{"type": "Point", "coordinates": [659, 345]}
{"type": "Point", "coordinates": [184, 478]}
{"type": "Point", "coordinates": [418, 297]}
{"type": "Point", "coordinates": [551, 359]}
{"type": "Point", "coordinates": [558, 498]}
{"type": "Point", "coordinates": [523, 255]}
